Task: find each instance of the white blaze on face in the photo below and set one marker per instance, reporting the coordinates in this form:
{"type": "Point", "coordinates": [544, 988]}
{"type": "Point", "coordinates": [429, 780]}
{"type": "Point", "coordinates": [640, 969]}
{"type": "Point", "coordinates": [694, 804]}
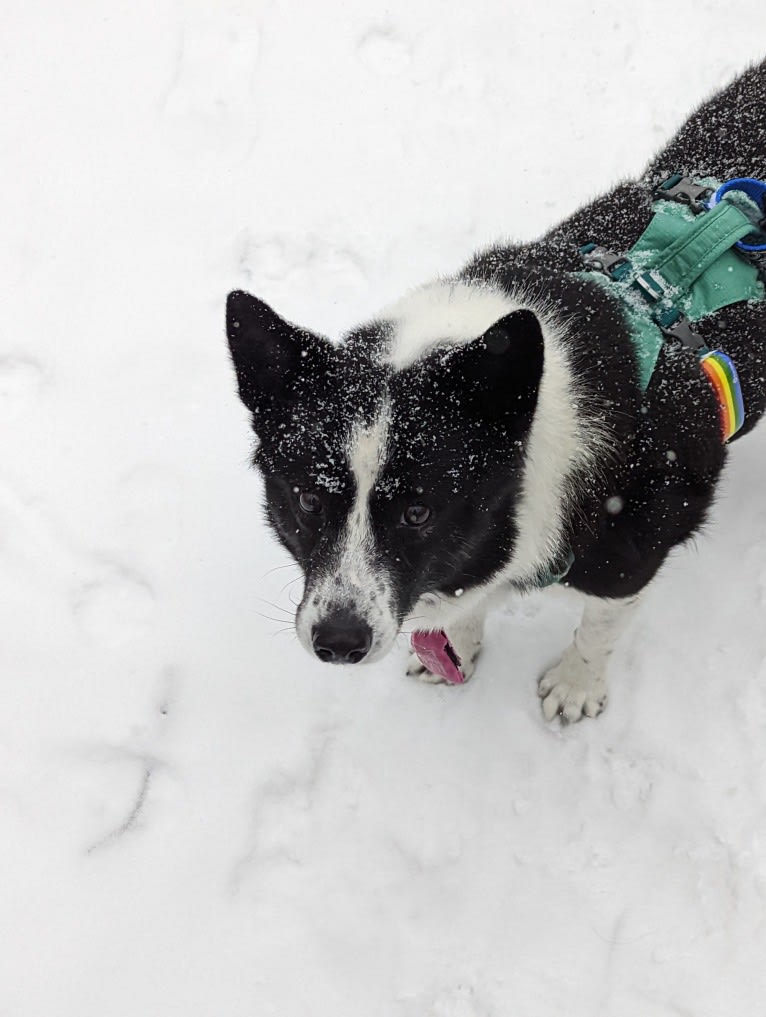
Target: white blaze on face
{"type": "Point", "coordinates": [355, 580]}
{"type": "Point", "coordinates": [365, 458]}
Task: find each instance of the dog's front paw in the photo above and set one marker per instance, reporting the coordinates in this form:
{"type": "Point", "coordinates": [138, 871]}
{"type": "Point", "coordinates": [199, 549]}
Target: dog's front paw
{"type": "Point", "coordinates": [417, 669]}
{"type": "Point", "coordinates": [572, 689]}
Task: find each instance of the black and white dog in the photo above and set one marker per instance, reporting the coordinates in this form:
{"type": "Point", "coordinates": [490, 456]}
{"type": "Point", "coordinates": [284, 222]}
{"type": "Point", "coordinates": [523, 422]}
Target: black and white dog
{"type": "Point", "coordinates": [488, 432]}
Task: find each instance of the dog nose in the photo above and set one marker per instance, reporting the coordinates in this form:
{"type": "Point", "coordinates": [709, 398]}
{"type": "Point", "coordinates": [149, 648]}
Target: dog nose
{"type": "Point", "coordinates": [342, 639]}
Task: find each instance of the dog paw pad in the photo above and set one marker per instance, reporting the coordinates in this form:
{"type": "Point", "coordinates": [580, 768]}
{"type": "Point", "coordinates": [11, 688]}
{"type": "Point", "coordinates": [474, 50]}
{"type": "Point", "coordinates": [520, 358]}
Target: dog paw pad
{"type": "Point", "coordinates": [571, 691]}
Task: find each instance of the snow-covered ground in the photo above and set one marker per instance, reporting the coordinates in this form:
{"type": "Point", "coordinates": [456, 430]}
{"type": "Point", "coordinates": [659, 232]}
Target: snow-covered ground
{"type": "Point", "coordinates": [196, 818]}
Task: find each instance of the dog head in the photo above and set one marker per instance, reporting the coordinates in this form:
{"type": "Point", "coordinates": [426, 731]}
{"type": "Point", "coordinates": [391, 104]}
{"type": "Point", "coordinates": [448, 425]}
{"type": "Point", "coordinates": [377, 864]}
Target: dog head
{"type": "Point", "coordinates": [393, 460]}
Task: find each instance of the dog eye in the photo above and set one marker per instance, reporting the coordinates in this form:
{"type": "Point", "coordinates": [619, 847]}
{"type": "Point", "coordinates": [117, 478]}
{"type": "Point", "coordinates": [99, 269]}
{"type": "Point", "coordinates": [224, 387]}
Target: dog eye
{"type": "Point", "coordinates": [310, 503]}
{"type": "Point", "coordinates": [416, 515]}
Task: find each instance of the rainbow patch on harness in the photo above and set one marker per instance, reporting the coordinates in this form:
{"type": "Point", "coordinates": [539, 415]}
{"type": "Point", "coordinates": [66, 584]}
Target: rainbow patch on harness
{"type": "Point", "coordinates": [722, 375]}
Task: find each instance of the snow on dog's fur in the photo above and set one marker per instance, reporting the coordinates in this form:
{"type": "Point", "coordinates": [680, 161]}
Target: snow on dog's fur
{"type": "Point", "coordinates": [464, 442]}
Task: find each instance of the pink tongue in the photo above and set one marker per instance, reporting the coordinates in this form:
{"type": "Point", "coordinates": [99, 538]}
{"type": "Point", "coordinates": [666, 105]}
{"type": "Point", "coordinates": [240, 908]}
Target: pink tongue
{"type": "Point", "coordinates": [437, 655]}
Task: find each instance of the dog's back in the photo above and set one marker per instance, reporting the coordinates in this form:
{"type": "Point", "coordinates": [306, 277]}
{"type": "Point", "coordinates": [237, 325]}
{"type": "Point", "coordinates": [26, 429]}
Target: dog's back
{"type": "Point", "coordinates": [724, 138]}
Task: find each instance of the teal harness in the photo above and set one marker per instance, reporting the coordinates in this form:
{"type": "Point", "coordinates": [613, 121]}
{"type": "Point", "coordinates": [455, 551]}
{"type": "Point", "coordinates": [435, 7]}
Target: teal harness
{"type": "Point", "coordinates": [693, 259]}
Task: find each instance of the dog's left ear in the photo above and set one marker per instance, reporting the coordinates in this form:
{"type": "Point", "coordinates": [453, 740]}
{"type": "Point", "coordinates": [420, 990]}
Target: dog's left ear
{"type": "Point", "coordinates": [270, 355]}
{"type": "Point", "coordinates": [501, 370]}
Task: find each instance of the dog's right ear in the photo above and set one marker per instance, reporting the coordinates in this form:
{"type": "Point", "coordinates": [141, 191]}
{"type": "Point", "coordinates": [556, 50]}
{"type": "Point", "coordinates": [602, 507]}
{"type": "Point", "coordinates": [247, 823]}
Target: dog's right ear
{"type": "Point", "coordinates": [270, 355]}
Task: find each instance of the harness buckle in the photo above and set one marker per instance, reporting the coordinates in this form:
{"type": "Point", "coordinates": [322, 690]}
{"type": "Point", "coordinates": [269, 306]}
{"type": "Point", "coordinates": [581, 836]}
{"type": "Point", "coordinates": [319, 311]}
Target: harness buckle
{"type": "Point", "coordinates": [684, 190]}
{"type": "Point", "coordinates": [680, 330]}
{"type": "Point", "coordinates": [651, 284]}
{"type": "Point", "coordinates": [600, 259]}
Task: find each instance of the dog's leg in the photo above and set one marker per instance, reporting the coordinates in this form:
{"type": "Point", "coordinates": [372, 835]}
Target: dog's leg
{"type": "Point", "coordinates": [577, 685]}
{"type": "Point", "coordinates": [465, 636]}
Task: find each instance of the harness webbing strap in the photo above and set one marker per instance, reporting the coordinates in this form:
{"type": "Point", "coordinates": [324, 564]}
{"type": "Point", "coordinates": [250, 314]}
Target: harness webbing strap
{"type": "Point", "coordinates": [722, 375]}
{"type": "Point", "coordinates": [682, 268]}
{"type": "Point", "coordinates": [700, 245]}
{"type": "Point", "coordinates": [694, 256]}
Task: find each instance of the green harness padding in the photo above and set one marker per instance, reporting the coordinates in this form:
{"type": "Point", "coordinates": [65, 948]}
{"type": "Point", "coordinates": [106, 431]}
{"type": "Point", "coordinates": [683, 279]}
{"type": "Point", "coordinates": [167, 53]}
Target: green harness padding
{"type": "Point", "coordinates": [682, 264]}
{"type": "Point", "coordinates": [691, 259]}
{"type": "Point", "coordinates": [646, 335]}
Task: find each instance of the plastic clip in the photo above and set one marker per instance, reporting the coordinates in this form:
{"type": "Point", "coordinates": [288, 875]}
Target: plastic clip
{"type": "Point", "coordinates": [684, 190]}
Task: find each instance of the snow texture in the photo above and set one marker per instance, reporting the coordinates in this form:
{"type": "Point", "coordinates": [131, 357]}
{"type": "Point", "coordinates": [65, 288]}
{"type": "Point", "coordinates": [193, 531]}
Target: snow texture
{"type": "Point", "coordinates": [197, 817]}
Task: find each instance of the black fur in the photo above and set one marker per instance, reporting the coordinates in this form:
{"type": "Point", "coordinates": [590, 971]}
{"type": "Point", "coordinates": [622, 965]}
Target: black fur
{"type": "Point", "coordinates": [461, 416]}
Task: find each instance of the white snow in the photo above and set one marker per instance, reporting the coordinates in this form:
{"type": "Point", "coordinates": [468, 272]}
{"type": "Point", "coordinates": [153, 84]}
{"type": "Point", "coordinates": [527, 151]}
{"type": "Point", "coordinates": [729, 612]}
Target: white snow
{"type": "Point", "coordinates": [196, 817]}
